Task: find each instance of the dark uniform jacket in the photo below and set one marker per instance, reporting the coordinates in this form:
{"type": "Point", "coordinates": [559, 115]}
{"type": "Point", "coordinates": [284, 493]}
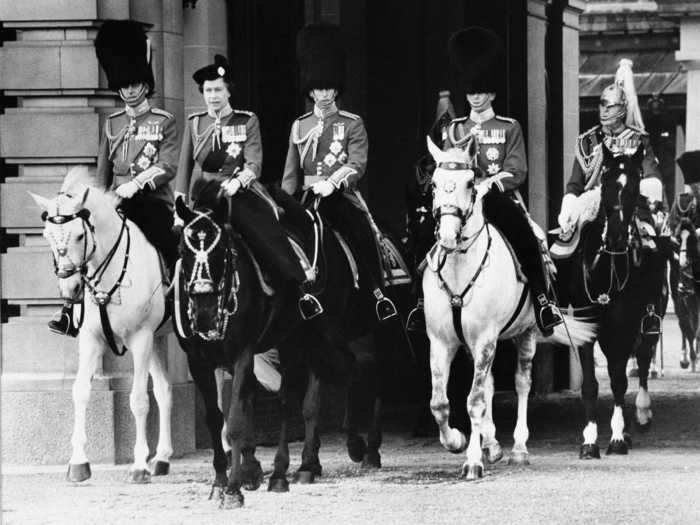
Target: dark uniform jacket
{"type": "Point", "coordinates": [334, 148]}
{"type": "Point", "coordinates": [139, 145]}
{"type": "Point", "coordinates": [588, 165]}
{"type": "Point", "coordinates": [500, 142]}
{"type": "Point", "coordinates": [219, 155]}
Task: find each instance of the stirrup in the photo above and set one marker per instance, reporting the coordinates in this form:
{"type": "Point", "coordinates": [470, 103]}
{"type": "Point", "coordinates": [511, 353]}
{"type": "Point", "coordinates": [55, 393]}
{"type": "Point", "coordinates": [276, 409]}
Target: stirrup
{"type": "Point", "coordinates": [63, 325]}
{"type": "Point", "coordinates": [309, 307]}
{"type": "Point", "coordinates": [385, 308]}
{"type": "Point", "coordinates": [416, 318]}
{"type": "Point", "coordinates": [554, 318]}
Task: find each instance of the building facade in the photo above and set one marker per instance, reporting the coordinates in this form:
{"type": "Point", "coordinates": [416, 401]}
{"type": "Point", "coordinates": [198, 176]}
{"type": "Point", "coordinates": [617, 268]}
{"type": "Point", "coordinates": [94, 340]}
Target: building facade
{"type": "Point", "coordinates": [55, 100]}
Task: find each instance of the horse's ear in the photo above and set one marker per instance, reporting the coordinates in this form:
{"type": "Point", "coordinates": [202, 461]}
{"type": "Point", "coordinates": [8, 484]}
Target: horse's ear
{"type": "Point", "coordinates": [435, 152]}
{"type": "Point", "coordinates": [182, 210]}
{"type": "Point", "coordinates": [42, 202]}
{"type": "Point", "coordinates": [84, 196]}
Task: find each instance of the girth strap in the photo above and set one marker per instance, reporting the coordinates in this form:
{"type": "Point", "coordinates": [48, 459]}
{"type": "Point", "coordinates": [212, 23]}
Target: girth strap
{"type": "Point", "coordinates": [518, 309]}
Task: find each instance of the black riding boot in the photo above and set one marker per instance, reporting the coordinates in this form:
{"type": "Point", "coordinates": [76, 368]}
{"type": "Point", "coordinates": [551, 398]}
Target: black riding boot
{"type": "Point", "coordinates": [62, 322]}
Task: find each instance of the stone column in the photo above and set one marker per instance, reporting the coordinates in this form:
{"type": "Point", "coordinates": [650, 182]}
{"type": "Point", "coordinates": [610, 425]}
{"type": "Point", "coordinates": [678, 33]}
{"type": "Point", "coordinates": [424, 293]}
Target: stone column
{"type": "Point", "coordinates": [62, 100]}
{"type": "Point", "coordinates": [689, 56]}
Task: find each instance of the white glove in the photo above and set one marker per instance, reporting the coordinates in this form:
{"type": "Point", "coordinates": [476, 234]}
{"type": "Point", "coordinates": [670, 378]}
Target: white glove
{"type": "Point", "coordinates": [568, 217]}
{"type": "Point", "coordinates": [127, 190]}
{"type": "Point", "coordinates": [231, 187]}
{"type": "Point", "coordinates": [323, 188]}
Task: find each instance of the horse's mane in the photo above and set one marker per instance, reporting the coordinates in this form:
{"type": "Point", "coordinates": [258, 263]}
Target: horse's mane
{"type": "Point", "coordinates": [207, 192]}
{"type": "Point", "coordinates": [74, 184]}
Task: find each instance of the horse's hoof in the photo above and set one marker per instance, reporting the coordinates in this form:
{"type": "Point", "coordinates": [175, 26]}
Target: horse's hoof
{"type": "Point", "coordinates": [589, 451]}
{"type": "Point", "coordinates": [372, 460]}
{"type": "Point", "coordinates": [304, 477]}
{"type": "Point", "coordinates": [233, 500]}
{"type": "Point", "coordinates": [357, 448]}
{"type": "Point", "coordinates": [492, 454]}
{"type": "Point", "coordinates": [461, 447]}
{"type": "Point", "coordinates": [161, 468]}
{"type": "Point", "coordinates": [643, 427]}
{"type": "Point", "coordinates": [252, 476]}
{"type": "Point", "coordinates": [628, 438]}
{"type": "Point", "coordinates": [634, 372]}
{"type": "Point", "coordinates": [617, 447]}
{"type": "Point", "coordinates": [519, 459]}
{"type": "Point", "coordinates": [139, 476]}
{"type": "Point", "coordinates": [79, 472]}
{"type": "Point", "coordinates": [472, 472]}
{"type": "Point", "coordinates": [685, 364]}
{"type": "Point", "coordinates": [653, 374]}
{"type": "Point", "coordinates": [278, 485]}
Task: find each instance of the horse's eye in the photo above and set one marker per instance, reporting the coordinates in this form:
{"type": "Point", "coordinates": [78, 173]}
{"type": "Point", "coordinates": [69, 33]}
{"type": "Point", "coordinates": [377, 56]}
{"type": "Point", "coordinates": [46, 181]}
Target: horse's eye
{"type": "Point", "coordinates": [80, 237]}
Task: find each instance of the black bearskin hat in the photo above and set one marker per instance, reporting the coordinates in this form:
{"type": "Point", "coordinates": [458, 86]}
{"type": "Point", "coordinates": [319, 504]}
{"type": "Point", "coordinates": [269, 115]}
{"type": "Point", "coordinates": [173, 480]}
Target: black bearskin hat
{"type": "Point", "coordinates": [689, 163]}
{"type": "Point", "coordinates": [477, 60]}
{"type": "Point", "coordinates": [124, 53]}
{"type": "Point", "coordinates": [321, 57]}
{"type": "Point", "coordinates": [219, 69]}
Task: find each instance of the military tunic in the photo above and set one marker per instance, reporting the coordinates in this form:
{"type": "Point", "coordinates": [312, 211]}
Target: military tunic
{"type": "Point", "coordinates": [501, 148]}
{"type": "Point", "coordinates": [588, 165]}
{"type": "Point", "coordinates": [220, 150]}
{"type": "Point", "coordinates": [140, 145]}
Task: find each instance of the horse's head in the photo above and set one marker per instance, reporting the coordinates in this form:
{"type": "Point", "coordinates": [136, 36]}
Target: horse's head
{"type": "Point", "coordinates": [207, 269]}
{"type": "Point", "coordinates": [688, 239]}
{"type": "Point", "coordinates": [455, 192]}
{"type": "Point", "coordinates": [619, 196]}
{"type": "Point", "coordinates": [70, 234]}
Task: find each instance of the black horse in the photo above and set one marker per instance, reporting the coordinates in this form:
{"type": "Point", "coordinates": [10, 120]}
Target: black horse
{"type": "Point", "coordinates": [684, 289]}
{"type": "Point", "coordinates": [617, 280]}
{"type": "Point", "coordinates": [231, 316]}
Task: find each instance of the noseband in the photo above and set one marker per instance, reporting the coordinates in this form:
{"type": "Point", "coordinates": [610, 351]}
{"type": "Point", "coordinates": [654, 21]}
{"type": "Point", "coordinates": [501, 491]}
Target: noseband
{"type": "Point", "coordinates": [201, 280]}
{"type": "Point", "coordinates": [61, 243]}
{"type": "Point", "coordinates": [451, 210]}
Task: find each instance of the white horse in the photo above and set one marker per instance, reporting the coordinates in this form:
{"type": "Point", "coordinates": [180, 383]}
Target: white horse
{"type": "Point", "coordinates": [473, 297]}
{"type": "Point", "coordinates": [94, 248]}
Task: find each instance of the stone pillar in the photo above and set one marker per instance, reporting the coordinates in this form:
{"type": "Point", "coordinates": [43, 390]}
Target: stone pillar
{"type": "Point", "coordinates": [689, 56]}
{"type": "Point", "coordinates": [62, 100]}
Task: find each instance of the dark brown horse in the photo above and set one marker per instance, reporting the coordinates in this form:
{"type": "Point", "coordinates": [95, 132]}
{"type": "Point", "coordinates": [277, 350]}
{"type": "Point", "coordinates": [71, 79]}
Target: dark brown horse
{"type": "Point", "coordinates": [683, 290]}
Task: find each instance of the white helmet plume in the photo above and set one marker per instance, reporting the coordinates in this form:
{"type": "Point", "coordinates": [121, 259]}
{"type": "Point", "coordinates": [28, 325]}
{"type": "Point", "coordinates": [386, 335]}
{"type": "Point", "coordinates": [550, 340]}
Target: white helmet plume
{"type": "Point", "coordinates": [624, 77]}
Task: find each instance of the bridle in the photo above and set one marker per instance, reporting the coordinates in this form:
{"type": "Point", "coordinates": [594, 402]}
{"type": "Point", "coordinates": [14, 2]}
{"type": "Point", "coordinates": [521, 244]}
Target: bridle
{"type": "Point", "coordinates": [61, 243]}
{"type": "Point", "coordinates": [200, 281]}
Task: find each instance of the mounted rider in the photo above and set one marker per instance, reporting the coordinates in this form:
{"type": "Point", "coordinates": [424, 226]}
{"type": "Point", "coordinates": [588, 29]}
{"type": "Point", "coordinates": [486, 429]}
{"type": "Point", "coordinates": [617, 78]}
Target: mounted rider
{"type": "Point", "coordinates": [328, 154]}
{"type": "Point", "coordinates": [227, 146]}
{"type": "Point", "coordinates": [621, 130]}
{"type": "Point", "coordinates": [137, 157]}
{"type": "Point", "coordinates": [477, 58]}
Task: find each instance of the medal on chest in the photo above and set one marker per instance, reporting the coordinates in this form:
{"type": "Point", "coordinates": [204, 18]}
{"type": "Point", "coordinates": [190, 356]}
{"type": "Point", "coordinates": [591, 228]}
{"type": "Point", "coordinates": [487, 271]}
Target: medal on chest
{"type": "Point", "coordinates": [149, 131]}
{"type": "Point", "coordinates": [235, 133]}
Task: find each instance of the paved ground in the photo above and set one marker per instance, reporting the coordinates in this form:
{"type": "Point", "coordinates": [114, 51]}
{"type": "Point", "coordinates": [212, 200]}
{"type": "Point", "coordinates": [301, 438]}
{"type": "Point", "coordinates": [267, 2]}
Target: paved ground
{"type": "Point", "coordinates": [657, 482]}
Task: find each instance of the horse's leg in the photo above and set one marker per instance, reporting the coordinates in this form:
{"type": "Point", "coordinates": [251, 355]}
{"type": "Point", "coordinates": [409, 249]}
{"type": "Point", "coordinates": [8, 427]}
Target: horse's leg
{"type": "Point", "coordinates": [526, 344]}
{"type": "Point", "coordinates": [490, 446]}
{"type": "Point", "coordinates": [278, 480]}
{"type": "Point", "coordinates": [141, 345]}
{"type": "Point", "coordinates": [441, 356]}
{"type": "Point", "coordinates": [251, 470]}
{"type": "Point", "coordinates": [483, 353]}
{"type": "Point", "coordinates": [372, 457]}
{"type": "Point", "coordinates": [310, 465]}
{"type": "Point", "coordinates": [203, 375]}
{"type": "Point", "coordinates": [242, 389]}
{"type": "Point", "coordinates": [617, 359]}
{"type": "Point", "coordinates": [589, 396]}
{"type": "Point", "coordinates": [163, 392]}
{"type": "Point", "coordinates": [220, 381]}
{"type": "Point", "coordinates": [90, 351]}
{"type": "Point", "coordinates": [643, 413]}
{"type": "Point", "coordinates": [356, 445]}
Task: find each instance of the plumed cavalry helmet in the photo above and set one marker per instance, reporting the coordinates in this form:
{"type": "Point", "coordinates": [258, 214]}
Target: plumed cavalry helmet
{"type": "Point", "coordinates": [622, 92]}
{"type": "Point", "coordinates": [689, 163]}
{"type": "Point", "coordinates": [124, 52]}
{"type": "Point", "coordinates": [477, 60]}
{"type": "Point", "coordinates": [219, 69]}
{"type": "Point", "coordinates": [321, 58]}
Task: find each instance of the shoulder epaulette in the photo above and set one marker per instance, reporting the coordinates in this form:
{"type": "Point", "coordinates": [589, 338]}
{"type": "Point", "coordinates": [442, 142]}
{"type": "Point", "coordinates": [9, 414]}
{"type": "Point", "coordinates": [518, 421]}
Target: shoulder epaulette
{"type": "Point", "coordinates": [348, 114]}
{"type": "Point", "coordinates": [244, 112]}
{"type": "Point", "coordinates": [117, 113]}
{"type": "Point", "coordinates": [198, 114]}
{"type": "Point", "coordinates": [506, 119]}
{"type": "Point", "coordinates": [161, 112]}
{"type": "Point", "coordinates": [589, 131]}
{"type": "Point", "coordinates": [638, 130]}
{"type": "Point", "coordinates": [460, 119]}
{"type": "Point", "coordinates": [305, 115]}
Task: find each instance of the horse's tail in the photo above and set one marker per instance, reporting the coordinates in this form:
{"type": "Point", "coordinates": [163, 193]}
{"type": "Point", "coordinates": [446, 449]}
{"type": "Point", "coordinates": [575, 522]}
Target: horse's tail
{"type": "Point", "coordinates": [266, 370]}
{"type": "Point", "coordinates": [572, 331]}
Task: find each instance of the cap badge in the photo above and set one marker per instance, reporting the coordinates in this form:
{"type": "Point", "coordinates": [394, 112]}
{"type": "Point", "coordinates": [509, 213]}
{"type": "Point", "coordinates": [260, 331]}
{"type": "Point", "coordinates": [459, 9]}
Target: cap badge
{"type": "Point", "coordinates": [221, 71]}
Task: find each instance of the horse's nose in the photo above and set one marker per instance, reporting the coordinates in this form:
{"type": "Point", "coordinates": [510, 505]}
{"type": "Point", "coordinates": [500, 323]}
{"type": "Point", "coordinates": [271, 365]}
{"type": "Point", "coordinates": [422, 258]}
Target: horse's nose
{"type": "Point", "coordinates": [202, 286]}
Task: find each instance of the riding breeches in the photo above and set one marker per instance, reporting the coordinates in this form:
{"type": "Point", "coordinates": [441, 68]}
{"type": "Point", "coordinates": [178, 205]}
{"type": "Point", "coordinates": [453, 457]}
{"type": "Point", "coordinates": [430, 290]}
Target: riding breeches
{"type": "Point", "coordinates": [353, 224]}
{"type": "Point", "coordinates": [253, 217]}
{"type": "Point", "coordinates": [511, 219]}
{"type": "Point", "coordinates": [155, 219]}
